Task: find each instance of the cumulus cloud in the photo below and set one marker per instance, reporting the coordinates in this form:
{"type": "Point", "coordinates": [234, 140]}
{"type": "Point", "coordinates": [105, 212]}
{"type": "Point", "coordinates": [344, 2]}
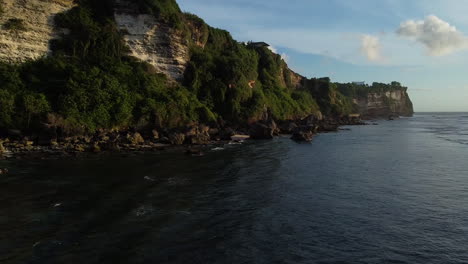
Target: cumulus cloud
{"type": "Point", "coordinates": [438, 36]}
{"type": "Point", "coordinates": [371, 48]}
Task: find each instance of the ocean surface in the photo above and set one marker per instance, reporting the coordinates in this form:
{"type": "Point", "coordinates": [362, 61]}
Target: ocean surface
{"type": "Point", "coordinates": [392, 193]}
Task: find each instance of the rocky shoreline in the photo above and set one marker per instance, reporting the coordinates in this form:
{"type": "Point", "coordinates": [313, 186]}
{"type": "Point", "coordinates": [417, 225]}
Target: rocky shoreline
{"type": "Point", "coordinates": [190, 139]}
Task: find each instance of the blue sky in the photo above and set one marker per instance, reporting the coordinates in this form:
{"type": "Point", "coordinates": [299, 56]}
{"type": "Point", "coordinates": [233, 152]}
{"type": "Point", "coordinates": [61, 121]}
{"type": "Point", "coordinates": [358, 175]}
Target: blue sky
{"type": "Point", "coordinates": [421, 43]}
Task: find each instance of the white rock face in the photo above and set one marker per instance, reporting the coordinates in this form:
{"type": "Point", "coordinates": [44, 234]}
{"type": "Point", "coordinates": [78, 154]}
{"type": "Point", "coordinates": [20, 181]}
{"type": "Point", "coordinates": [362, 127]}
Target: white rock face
{"type": "Point", "coordinates": [38, 18]}
{"type": "Point", "coordinates": [385, 104]}
{"type": "Point", "coordinates": [152, 41]}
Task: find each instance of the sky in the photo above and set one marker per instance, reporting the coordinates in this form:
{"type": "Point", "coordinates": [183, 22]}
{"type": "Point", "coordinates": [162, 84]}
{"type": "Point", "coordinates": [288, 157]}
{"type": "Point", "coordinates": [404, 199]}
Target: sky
{"type": "Point", "coordinates": [421, 43]}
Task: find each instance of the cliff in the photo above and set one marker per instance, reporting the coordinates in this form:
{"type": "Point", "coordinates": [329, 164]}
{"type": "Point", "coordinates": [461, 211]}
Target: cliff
{"type": "Point", "coordinates": [152, 40]}
{"type": "Point", "coordinates": [145, 65]}
{"type": "Point", "coordinates": [385, 104]}
{"type": "Point", "coordinates": [29, 38]}
{"type": "Point", "coordinates": [378, 100]}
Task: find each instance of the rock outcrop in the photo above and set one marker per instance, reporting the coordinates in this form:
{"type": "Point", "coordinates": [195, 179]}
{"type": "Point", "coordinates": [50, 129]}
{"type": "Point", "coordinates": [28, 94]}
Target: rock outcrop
{"type": "Point", "coordinates": [37, 20]}
{"type": "Point", "coordinates": [152, 41]}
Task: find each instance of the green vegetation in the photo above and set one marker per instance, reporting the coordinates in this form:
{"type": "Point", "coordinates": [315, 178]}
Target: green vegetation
{"type": "Point", "coordinates": [356, 90]}
{"type": "Point", "coordinates": [89, 83]}
{"type": "Point", "coordinates": [239, 81]}
{"type": "Point", "coordinates": [165, 10]}
{"type": "Point", "coordinates": [14, 24]}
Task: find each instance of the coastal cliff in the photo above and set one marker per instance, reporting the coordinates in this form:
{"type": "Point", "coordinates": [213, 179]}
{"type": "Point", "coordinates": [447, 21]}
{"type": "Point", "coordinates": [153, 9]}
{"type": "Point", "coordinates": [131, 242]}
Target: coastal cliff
{"type": "Point", "coordinates": [379, 100]}
{"type": "Point", "coordinates": [143, 71]}
{"type": "Point", "coordinates": [385, 104]}
{"type": "Point", "coordinates": [151, 40]}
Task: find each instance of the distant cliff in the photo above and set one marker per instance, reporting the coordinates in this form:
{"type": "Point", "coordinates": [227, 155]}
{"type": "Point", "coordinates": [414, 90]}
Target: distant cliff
{"type": "Point", "coordinates": [385, 104]}
{"type": "Point", "coordinates": [379, 100]}
{"type": "Point", "coordinates": [84, 66]}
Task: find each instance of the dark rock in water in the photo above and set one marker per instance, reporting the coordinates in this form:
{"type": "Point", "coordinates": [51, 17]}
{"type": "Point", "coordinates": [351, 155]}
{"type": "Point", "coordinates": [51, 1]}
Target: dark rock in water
{"type": "Point", "coordinates": [264, 130]}
{"type": "Point", "coordinates": [261, 131]}
{"type": "Point", "coordinates": [303, 134]}
{"type": "Point", "coordinates": [226, 133]}
{"type": "Point", "coordinates": [79, 148]}
{"type": "Point", "coordinates": [2, 148]}
{"type": "Point", "coordinates": [164, 140]}
{"type": "Point", "coordinates": [313, 119]}
{"type": "Point", "coordinates": [96, 148]}
{"type": "Point", "coordinates": [135, 138]}
{"type": "Point", "coordinates": [177, 138]}
{"type": "Point", "coordinates": [155, 134]}
{"type": "Point", "coordinates": [198, 135]}
{"type": "Point", "coordinates": [194, 152]}
{"type": "Point", "coordinates": [214, 132]}
{"type": "Point", "coordinates": [328, 127]}
{"type": "Point", "coordinates": [110, 146]}
{"type": "Point", "coordinates": [287, 127]}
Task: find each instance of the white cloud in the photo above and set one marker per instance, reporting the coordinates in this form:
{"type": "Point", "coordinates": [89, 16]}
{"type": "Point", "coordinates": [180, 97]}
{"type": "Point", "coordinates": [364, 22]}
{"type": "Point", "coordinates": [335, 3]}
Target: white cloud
{"type": "Point", "coordinates": [283, 55]}
{"type": "Point", "coordinates": [371, 48]}
{"type": "Point", "coordinates": [439, 37]}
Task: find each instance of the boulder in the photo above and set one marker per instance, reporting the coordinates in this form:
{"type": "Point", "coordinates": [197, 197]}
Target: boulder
{"type": "Point", "coordinates": [79, 148]}
{"type": "Point", "coordinates": [200, 139]}
{"type": "Point", "coordinates": [303, 134]}
{"type": "Point", "coordinates": [177, 138]}
{"type": "Point", "coordinates": [164, 140]}
{"type": "Point", "coordinates": [155, 134]}
{"type": "Point", "coordinates": [264, 130]}
{"type": "Point", "coordinates": [95, 148]}
{"type": "Point", "coordinates": [226, 133]}
{"type": "Point", "coordinates": [109, 146]}
{"type": "Point", "coordinates": [135, 138]}
{"type": "Point", "coordinates": [2, 148]}
{"type": "Point", "coordinates": [313, 119]}
{"type": "Point", "coordinates": [288, 127]}
{"type": "Point", "coordinates": [261, 131]}
{"type": "Point", "coordinates": [198, 135]}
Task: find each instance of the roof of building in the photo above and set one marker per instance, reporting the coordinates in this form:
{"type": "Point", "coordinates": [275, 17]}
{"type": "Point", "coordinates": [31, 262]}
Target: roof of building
{"type": "Point", "coordinates": [259, 44]}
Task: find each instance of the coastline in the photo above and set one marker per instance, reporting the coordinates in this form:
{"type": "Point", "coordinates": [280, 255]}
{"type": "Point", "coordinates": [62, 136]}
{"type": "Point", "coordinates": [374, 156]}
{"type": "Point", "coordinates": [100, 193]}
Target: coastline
{"type": "Point", "coordinates": [191, 140]}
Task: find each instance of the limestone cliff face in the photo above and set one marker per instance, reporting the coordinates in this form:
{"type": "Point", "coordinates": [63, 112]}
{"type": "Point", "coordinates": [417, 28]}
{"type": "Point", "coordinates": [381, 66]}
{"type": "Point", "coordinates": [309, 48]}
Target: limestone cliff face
{"type": "Point", "coordinates": [383, 105]}
{"type": "Point", "coordinates": [152, 41]}
{"type": "Point", "coordinates": [37, 16]}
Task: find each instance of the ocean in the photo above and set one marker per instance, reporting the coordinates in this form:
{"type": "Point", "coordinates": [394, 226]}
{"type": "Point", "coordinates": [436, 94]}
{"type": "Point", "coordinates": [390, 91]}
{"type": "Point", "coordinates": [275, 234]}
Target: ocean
{"type": "Point", "coordinates": [396, 192]}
